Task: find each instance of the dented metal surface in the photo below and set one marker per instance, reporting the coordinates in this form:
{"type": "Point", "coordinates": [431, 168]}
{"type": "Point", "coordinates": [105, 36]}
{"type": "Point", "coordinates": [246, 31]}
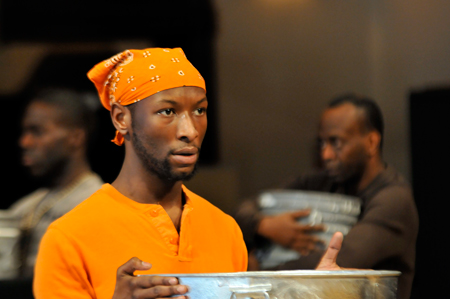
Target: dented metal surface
{"type": "Point", "coordinates": [292, 284]}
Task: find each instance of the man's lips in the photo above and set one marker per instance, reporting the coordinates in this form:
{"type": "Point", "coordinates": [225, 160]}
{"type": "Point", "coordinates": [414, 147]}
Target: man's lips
{"type": "Point", "coordinates": [332, 170]}
{"type": "Point", "coordinates": [186, 156]}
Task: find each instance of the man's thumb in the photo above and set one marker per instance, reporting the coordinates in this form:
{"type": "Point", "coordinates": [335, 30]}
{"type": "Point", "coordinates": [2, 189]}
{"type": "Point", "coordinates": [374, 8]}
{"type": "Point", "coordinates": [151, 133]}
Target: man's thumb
{"type": "Point", "coordinates": [328, 261]}
{"type": "Point", "coordinates": [132, 265]}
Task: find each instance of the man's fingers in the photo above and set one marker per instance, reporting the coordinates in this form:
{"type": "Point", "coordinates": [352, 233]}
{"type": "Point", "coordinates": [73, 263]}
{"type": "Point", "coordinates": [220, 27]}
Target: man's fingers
{"type": "Point", "coordinates": [305, 240]}
{"type": "Point", "coordinates": [310, 228]}
{"type": "Point", "coordinates": [132, 265]}
{"type": "Point", "coordinates": [161, 286]}
{"type": "Point", "coordinates": [309, 244]}
{"type": "Point", "coordinates": [148, 281]}
{"type": "Point", "coordinates": [145, 286]}
{"type": "Point", "coordinates": [328, 261]}
{"type": "Point", "coordinates": [304, 229]}
{"type": "Point", "coordinates": [304, 243]}
{"type": "Point", "coordinates": [300, 213]}
{"type": "Point", "coordinates": [160, 291]}
{"type": "Point", "coordinates": [305, 246]}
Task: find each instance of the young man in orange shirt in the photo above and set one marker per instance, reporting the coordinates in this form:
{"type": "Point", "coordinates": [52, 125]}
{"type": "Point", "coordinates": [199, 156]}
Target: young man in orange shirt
{"type": "Point", "coordinates": [158, 104]}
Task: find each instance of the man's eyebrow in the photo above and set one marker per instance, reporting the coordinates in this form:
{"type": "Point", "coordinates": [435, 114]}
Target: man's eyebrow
{"type": "Point", "coordinates": [176, 103]}
{"type": "Point", "coordinates": [202, 100]}
{"type": "Point", "coordinates": [168, 101]}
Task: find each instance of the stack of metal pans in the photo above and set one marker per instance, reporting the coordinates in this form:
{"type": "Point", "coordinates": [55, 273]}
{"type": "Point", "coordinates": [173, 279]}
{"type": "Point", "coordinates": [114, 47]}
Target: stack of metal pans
{"type": "Point", "coordinates": [9, 245]}
{"type": "Point", "coordinates": [336, 212]}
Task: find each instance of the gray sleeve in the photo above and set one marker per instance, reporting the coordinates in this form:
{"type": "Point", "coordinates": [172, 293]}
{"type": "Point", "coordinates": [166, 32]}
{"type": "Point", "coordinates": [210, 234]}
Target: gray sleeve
{"type": "Point", "coordinates": [387, 228]}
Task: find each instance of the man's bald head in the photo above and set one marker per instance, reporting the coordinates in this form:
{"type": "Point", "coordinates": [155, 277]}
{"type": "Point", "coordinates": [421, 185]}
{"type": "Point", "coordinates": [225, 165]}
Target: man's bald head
{"type": "Point", "coordinates": [371, 116]}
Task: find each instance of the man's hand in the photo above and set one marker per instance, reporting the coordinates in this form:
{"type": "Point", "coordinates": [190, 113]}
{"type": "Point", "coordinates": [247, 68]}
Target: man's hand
{"type": "Point", "coordinates": [130, 286]}
{"type": "Point", "coordinates": [284, 229]}
{"type": "Point", "coordinates": [328, 261]}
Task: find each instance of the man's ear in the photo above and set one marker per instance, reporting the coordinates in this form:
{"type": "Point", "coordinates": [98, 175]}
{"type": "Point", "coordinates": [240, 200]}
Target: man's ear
{"type": "Point", "coordinates": [121, 118]}
{"type": "Point", "coordinates": [374, 139]}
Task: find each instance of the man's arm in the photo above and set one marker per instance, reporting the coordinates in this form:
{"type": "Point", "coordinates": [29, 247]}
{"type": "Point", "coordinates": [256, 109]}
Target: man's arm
{"type": "Point", "coordinates": [257, 232]}
{"type": "Point", "coordinates": [387, 229]}
{"type": "Point", "coordinates": [282, 229]}
{"type": "Point", "coordinates": [61, 272]}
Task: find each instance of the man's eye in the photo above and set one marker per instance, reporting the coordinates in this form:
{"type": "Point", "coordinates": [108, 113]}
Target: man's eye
{"type": "Point", "coordinates": [321, 143]}
{"type": "Point", "coordinates": [35, 132]}
{"type": "Point", "coordinates": [337, 143]}
{"type": "Point", "coordinates": [200, 111]}
{"type": "Point", "coordinates": [166, 112]}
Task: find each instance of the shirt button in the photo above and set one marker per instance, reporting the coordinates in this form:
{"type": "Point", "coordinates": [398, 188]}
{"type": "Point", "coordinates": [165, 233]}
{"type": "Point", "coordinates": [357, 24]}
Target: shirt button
{"type": "Point", "coordinates": [154, 213]}
{"type": "Point", "coordinates": [174, 241]}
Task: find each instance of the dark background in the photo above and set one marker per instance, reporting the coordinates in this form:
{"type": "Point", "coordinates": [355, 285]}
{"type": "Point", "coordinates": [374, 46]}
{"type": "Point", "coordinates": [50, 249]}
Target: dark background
{"type": "Point", "coordinates": [429, 117]}
{"type": "Point", "coordinates": [168, 24]}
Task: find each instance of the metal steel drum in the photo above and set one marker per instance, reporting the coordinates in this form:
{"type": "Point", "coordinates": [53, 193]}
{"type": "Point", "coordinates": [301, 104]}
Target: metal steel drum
{"type": "Point", "coordinates": [304, 284]}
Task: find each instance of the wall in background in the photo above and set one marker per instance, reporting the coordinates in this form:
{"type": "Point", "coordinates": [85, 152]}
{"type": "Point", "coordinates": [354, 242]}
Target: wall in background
{"type": "Point", "coordinates": [280, 62]}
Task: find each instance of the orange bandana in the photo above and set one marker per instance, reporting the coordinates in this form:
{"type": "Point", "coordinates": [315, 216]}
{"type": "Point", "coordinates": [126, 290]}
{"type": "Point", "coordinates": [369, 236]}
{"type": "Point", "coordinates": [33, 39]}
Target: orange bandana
{"type": "Point", "coordinates": [134, 75]}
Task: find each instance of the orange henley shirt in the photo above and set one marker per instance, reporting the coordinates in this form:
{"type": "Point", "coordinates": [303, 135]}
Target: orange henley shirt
{"type": "Point", "coordinates": [80, 252]}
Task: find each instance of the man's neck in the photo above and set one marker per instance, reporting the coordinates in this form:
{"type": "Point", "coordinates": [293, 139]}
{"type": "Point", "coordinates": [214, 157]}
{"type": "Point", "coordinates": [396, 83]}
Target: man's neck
{"type": "Point", "coordinates": [143, 187]}
{"type": "Point", "coordinates": [373, 169]}
{"type": "Point", "coordinates": [137, 183]}
{"type": "Point", "coordinates": [150, 189]}
{"type": "Point", "coordinates": [69, 173]}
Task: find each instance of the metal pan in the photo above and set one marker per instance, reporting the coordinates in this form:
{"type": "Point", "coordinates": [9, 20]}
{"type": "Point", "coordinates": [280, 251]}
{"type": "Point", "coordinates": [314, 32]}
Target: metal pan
{"type": "Point", "coordinates": [292, 284]}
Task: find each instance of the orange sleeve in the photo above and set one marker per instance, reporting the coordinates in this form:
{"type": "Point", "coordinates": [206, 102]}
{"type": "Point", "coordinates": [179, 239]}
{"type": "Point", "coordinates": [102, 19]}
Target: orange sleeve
{"type": "Point", "coordinates": [242, 259]}
{"type": "Point", "coordinates": [59, 270]}
{"type": "Point", "coordinates": [244, 263]}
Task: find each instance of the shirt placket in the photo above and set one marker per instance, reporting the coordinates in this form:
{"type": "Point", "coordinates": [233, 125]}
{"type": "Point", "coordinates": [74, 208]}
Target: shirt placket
{"type": "Point", "coordinates": [164, 225]}
{"type": "Point", "coordinates": [185, 252]}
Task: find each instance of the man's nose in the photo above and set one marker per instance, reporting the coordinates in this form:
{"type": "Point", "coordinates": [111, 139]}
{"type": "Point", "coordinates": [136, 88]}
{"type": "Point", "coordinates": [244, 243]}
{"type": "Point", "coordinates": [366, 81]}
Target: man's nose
{"type": "Point", "coordinates": [186, 130]}
{"type": "Point", "coordinates": [25, 140]}
{"type": "Point", "coordinates": [327, 152]}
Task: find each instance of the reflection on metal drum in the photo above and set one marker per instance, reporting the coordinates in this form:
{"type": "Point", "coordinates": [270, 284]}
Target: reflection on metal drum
{"type": "Point", "coordinates": [292, 285]}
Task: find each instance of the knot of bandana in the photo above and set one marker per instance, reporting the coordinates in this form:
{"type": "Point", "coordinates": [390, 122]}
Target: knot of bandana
{"type": "Point", "coordinates": [134, 75]}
